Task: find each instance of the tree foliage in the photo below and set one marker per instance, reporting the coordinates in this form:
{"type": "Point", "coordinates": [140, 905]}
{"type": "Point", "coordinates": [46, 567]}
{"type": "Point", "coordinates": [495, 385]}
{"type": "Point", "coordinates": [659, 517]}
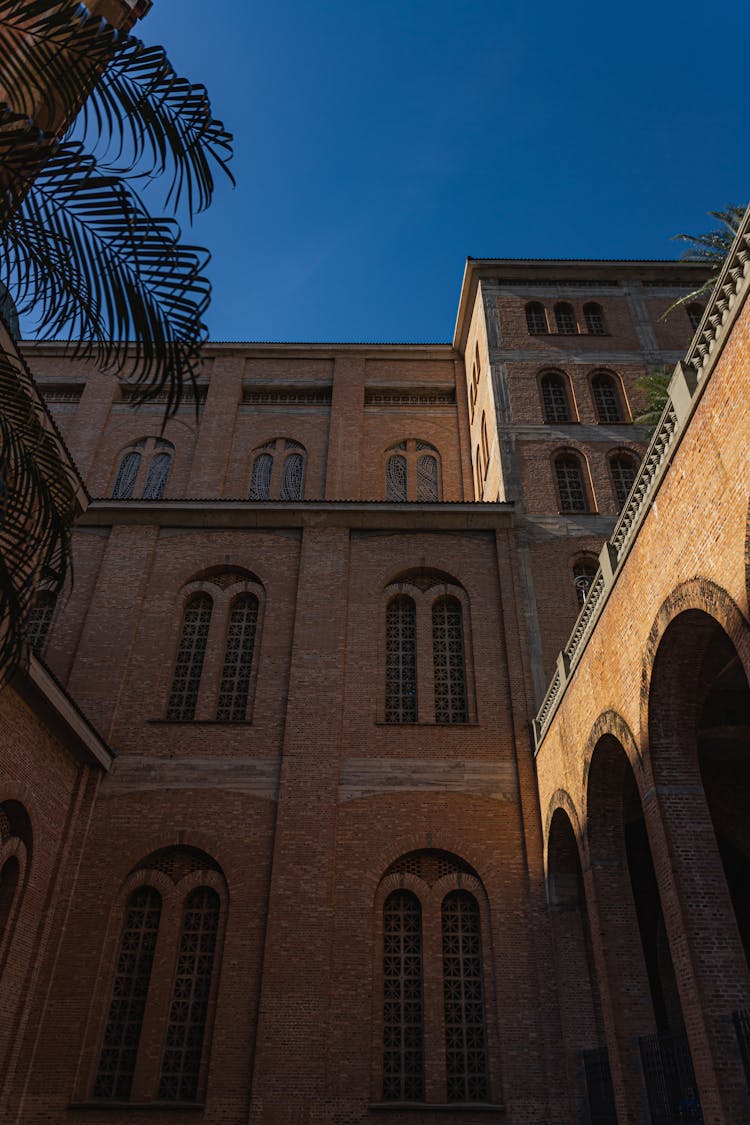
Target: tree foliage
{"type": "Point", "coordinates": [710, 249]}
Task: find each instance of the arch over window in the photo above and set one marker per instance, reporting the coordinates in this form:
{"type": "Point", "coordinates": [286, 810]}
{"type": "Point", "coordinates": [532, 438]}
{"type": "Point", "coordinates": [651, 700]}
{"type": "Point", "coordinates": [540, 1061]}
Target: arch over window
{"type": "Point", "coordinates": [607, 399]}
{"type": "Point", "coordinates": [278, 471]}
{"type": "Point", "coordinates": [135, 960]}
{"type": "Point", "coordinates": [536, 319]}
{"type": "Point", "coordinates": [401, 661]}
{"type": "Point", "coordinates": [695, 314]}
{"type": "Point", "coordinates": [412, 472]}
{"type": "Point", "coordinates": [593, 314]}
{"type": "Point", "coordinates": [191, 990]}
{"type": "Point", "coordinates": [624, 469]}
{"type": "Point", "coordinates": [565, 319]}
{"type": "Point", "coordinates": [463, 989]}
{"type": "Point", "coordinates": [40, 620]}
{"type": "Point", "coordinates": [584, 573]}
{"type": "Point", "coordinates": [190, 656]}
{"type": "Point", "coordinates": [555, 400]}
{"type": "Point", "coordinates": [449, 661]}
{"type": "Point", "coordinates": [571, 484]}
{"type": "Point", "coordinates": [403, 1006]}
{"type": "Point", "coordinates": [238, 658]}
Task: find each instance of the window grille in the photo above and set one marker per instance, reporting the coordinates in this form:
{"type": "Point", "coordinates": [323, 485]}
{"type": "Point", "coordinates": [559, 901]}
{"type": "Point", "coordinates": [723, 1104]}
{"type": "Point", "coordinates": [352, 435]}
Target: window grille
{"type": "Point", "coordinates": [428, 487]}
{"type": "Point", "coordinates": [695, 314]}
{"type": "Point", "coordinates": [126, 476]}
{"type": "Point", "coordinates": [463, 989]}
{"type": "Point", "coordinates": [430, 865]}
{"type": "Point", "coordinates": [536, 319]}
{"type": "Point", "coordinates": [401, 660]}
{"type": "Point", "coordinates": [555, 399]}
{"type": "Point", "coordinates": [448, 655]}
{"type": "Point", "coordinates": [623, 476]}
{"type": "Point", "coordinates": [191, 990]}
{"type": "Point", "coordinates": [156, 481]}
{"type": "Point", "coordinates": [178, 862]}
{"type": "Point", "coordinates": [260, 481]}
{"type": "Point", "coordinates": [570, 484]}
{"type": "Point", "coordinates": [565, 319]}
{"type": "Point", "coordinates": [129, 991]}
{"type": "Point", "coordinates": [292, 476]}
{"type": "Point", "coordinates": [190, 656]}
{"type": "Point", "coordinates": [39, 620]}
{"type": "Point", "coordinates": [403, 1020]}
{"type": "Point", "coordinates": [238, 659]}
{"type": "Point", "coordinates": [584, 573]}
{"type": "Point", "coordinates": [395, 478]}
{"type": "Point", "coordinates": [594, 317]}
{"type": "Point", "coordinates": [606, 399]}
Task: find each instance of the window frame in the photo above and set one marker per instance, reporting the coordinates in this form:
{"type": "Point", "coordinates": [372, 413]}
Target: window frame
{"type": "Point", "coordinates": [279, 448]}
{"type": "Point", "coordinates": [635, 463]}
{"type": "Point", "coordinates": [587, 486]}
{"type": "Point", "coordinates": [15, 847]}
{"type": "Point", "coordinates": [619, 391]}
{"type": "Point", "coordinates": [593, 309]}
{"type": "Point", "coordinates": [412, 450]}
{"type": "Point", "coordinates": [531, 309]}
{"type": "Point", "coordinates": [563, 309]}
{"type": "Point", "coordinates": [148, 448]}
{"type": "Point", "coordinates": [556, 372]}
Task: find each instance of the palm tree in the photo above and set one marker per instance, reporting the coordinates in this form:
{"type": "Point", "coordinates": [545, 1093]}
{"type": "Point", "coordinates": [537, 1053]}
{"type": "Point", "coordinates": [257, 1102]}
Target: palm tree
{"type": "Point", "coordinates": [710, 248]}
{"type": "Point", "coordinates": [87, 114]}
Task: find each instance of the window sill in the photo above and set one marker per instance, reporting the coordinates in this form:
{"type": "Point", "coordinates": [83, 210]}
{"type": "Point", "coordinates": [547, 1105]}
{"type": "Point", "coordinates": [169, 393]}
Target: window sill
{"type": "Point", "coordinates": [140, 1107]}
{"type": "Point", "coordinates": [434, 1107]}
{"type": "Point", "coordinates": [434, 725]}
{"type": "Point", "coordinates": [201, 722]}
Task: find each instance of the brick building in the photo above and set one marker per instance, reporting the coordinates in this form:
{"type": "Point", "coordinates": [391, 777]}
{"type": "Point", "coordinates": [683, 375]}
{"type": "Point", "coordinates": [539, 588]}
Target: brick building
{"type": "Point", "coordinates": [300, 863]}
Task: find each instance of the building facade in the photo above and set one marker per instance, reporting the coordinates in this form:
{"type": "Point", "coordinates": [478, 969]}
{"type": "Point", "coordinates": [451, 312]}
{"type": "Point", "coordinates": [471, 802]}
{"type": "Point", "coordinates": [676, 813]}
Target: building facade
{"type": "Point", "coordinates": [313, 617]}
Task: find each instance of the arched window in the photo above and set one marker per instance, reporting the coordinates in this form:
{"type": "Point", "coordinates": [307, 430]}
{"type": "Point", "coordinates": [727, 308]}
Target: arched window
{"type": "Point", "coordinates": [278, 471]}
{"type": "Point", "coordinates": [449, 663]}
{"type": "Point", "coordinates": [565, 319]}
{"type": "Point", "coordinates": [606, 398]}
{"type": "Point", "coordinates": [158, 472]}
{"type": "Point", "coordinates": [584, 573]}
{"type": "Point", "coordinates": [190, 656]}
{"type": "Point", "coordinates": [479, 469]}
{"type": "Point", "coordinates": [129, 991]}
{"type": "Point", "coordinates": [403, 1007]}
{"type": "Point", "coordinates": [260, 481]}
{"type": "Point", "coordinates": [536, 319]}
{"type": "Point", "coordinates": [570, 483]}
{"type": "Point", "coordinates": [624, 470]}
{"type": "Point", "coordinates": [10, 874]}
{"type": "Point", "coordinates": [40, 619]}
{"type": "Point", "coordinates": [292, 477]}
{"type": "Point", "coordinates": [485, 441]}
{"type": "Point", "coordinates": [555, 397]}
{"type": "Point", "coordinates": [593, 314]}
{"type": "Point", "coordinates": [695, 314]}
{"type": "Point", "coordinates": [401, 660]}
{"type": "Point", "coordinates": [412, 472]}
{"type": "Point", "coordinates": [191, 989]}
{"type": "Point", "coordinates": [463, 989]}
{"type": "Point", "coordinates": [126, 475]}
{"type": "Point", "coordinates": [15, 851]}
{"type": "Point", "coordinates": [238, 659]}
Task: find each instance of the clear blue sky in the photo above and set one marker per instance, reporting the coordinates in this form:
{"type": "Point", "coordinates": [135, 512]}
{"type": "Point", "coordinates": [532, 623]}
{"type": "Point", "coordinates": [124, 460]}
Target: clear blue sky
{"type": "Point", "coordinates": [381, 141]}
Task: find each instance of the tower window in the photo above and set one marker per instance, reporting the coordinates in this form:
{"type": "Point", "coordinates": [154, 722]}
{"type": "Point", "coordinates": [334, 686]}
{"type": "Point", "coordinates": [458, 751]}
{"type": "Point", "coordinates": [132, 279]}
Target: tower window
{"type": "Point", "coordinates": [594, 316]}
{"type": "Point", "coordinates": [403, 1009]}
{"type": "Point", "coordinates": [238, 659]}
{"type": "Point", "coordinates": [536, 319]}
{"type": "Point", "coordinates": [401, 661]}
{"type": "Point", "coordinates": [190, 656]}
{"type": "Point", "coordinates": [449, 664]}
{"type": "Point", "coordinates": [463, 989]}
{"type": "Point", "coordinates": [584, 573]}
{"type": "Point", "coordinates": [565, 318]}
{"type": "Point", "coordinates": [624, 469]}
{"type": "Point", "coordinates": [555, 398]}
{"type": "Point", "coordinates": [570, 483]}
{"type": "Point", "coordinates": [606, 398]}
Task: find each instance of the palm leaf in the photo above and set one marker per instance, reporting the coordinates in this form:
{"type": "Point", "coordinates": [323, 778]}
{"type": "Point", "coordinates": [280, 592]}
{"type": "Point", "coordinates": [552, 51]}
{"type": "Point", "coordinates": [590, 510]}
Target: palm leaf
{"type": "Point", "coordinates": [710, 248]}
{"type": "Point", "coordinates": [84, 256]}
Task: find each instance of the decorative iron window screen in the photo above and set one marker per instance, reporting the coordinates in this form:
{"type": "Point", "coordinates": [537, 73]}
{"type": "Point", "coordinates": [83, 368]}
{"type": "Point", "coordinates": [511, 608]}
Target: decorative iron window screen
{"type": "Point", "coordinates": [238, 659]}
{"type": "Point", "coordinates": [463, 989]}
{"type": "Point", "coordinates": [448, 656]}
{"type": "Point", "coordinates": [292, 477]}
{"type": "Point", "coordinates": [401, 660]}
{"type": "Point", "coordinates": [428, 486]}
{"type": "Point", "coordinates": [190, 655]}
{"type": "Point", "coordinates": [126, 476]}
{"type": "Point", "coordinates": [129, 991]}
{"type": "Point", "coordinates": [191, 990]}
{"type": "Point", "coordinates": [158, 472]}
{"type": "Point", "coordinates": [260, 481]}
{"type": "Point", "coordinates": [39, 620]}
{"type": "Point", "coordinates": [403, 1009]}
{"type": "Point", "coordinates": [555, 399]}
{"type": "Point", "coordinates": [395, 478]}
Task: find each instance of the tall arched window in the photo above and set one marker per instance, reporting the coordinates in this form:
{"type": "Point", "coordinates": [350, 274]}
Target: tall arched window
{"type": "Point", "coordinates": [149, 456]}
{"type": "Point", "coordinates": [238, 659]}
{"type": "Point", "coordinates": [15, 851]}
{"type": "Point", "coordinates": [190, 656]}
{"type": "Point", "coordinates": [278, 471]}
{"type": "Point", "coordinates": [449, 662]}
{"type": "Point", "coordinates": [479, 470]}
{"type": "Point", "coordinates": [10, 874]}
{"type": "Point", "coordinates": [695, 314]}
{"type": "Point", "coordinates": [191, 989]}
{"type": "Point", "coordinates": [158, 472]}
{"type": "Point", "coordinates": [485, 441]}
{"type": "Point", "coordinates": [555, 397]}
{"type": "Point", "coordinates": [571, 485]}
{"type": "Point", "coordinates": [260, 480]}
{"type": "Point", "coordinates": [126, 475]}
{"type": "Point", "coordinates": [40, 620]}
{"type": "Point", "coordinates": [292, 477]}
{"type": "Point", "coordinates": [401, 660]}
{"type": "Point", "coordinates": [463, 988]}
{"type": "Point", "coordinates": [584, 573]}
{"type": "Point", "coordinates": [624, 470]}
{"type": "Point", "coordinates": [428, 479]}
{"type": "Point", "coordinates": [565, 319]}
{"type": "Point", "coordinates": [129, 991]}
{"type": "Point", "coordinates": [536, 319]}
{"type": "Point", "coordinates": [412, 472]}
{"type": "Point", "coordinates": [396, 476]}
{"type": "Point", "coordinates": [594, 316]}
{"type": "Point", "coordinates": [403, 1007]}
{"type": "Point", "coordinates": [606, 398]}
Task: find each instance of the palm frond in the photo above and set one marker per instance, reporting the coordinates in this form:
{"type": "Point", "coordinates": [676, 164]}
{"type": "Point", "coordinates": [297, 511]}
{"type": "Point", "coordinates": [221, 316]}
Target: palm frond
{"type": "Point", "coordinates": [710, 249]}
{"type": "Point", "coordinates": [655, 385]}
{"type": "Point", "coordinates": [37, 506]}
{"type": "Point", "coordinates": [84, 256]}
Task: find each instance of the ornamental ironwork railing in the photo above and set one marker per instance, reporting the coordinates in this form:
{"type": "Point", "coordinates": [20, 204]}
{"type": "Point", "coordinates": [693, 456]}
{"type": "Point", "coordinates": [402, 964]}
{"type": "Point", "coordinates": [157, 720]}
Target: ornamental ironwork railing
{"type": "Point", "coordinates": [600, 1096]}
{"type": "Point", "coordinates": [671, 1088]}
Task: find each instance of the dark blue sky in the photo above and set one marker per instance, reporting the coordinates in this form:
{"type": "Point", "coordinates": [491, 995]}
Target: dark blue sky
{"type": "Point", "coordinates": [381, 141]}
